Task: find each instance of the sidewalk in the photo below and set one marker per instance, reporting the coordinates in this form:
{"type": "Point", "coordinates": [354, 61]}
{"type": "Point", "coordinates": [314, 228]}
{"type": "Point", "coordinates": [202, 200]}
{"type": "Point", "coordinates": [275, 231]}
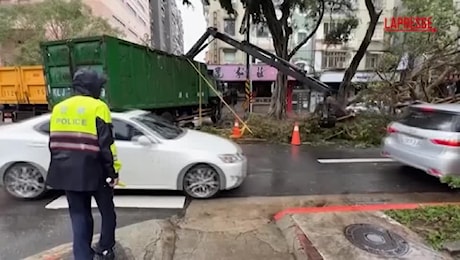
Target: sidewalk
{"type": "Point", "coordinates": [246, 229]}
{"type": "Point", "coordinates": [357, 235]}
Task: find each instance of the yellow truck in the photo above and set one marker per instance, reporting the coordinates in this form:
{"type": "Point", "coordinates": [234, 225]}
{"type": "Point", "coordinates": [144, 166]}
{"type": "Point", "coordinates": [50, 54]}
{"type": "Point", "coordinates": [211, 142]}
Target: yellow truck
{"type": "Point", "coordinates": [22, 93]}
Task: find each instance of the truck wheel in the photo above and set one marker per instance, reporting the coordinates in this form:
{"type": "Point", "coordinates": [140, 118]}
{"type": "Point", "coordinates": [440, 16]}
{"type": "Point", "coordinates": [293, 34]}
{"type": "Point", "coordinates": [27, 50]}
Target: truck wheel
{"type": "Point", "coordinates": [216, 114]}
{"type": "Point", "coordinates": [168, 116]}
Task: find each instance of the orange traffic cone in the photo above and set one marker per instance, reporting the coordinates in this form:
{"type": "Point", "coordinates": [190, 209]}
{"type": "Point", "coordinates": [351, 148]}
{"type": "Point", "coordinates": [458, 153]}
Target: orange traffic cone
{"type": "Point", "coordinates": [236, 132]}
{"type": "Point", "coordinates": [295, 135]}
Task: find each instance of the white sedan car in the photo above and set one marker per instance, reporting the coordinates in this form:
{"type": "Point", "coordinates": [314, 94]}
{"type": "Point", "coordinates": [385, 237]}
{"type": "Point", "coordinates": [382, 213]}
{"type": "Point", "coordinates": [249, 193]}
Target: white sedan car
{"type": "Point", "coordinates": [154, 155]}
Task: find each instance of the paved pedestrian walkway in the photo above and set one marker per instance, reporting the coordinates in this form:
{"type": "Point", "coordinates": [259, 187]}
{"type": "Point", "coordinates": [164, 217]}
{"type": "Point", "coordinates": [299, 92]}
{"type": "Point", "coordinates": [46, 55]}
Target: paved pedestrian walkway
{"type": "Point", "coordinates": [248, 228]}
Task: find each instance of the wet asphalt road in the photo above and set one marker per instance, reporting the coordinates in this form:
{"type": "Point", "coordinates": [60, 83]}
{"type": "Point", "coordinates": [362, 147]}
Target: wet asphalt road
{"type": "Point", "coordinates": [26, 227]}
{"type": "Point", "coordinates": [286, 170]}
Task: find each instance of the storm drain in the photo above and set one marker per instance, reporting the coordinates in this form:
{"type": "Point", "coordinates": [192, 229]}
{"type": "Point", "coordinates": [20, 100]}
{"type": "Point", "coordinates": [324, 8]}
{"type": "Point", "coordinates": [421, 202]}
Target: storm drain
{"type": "Point", "coordinates": [376, 240]}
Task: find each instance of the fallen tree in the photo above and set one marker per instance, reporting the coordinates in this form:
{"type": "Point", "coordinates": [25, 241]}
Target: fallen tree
{"type": "Point", "coordinates": [418, 66]}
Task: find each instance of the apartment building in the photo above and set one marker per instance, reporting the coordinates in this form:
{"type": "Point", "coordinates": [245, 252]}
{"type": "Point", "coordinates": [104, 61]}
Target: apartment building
{"type": "Point", "coordinates": [316, 55]}
{"type": "Point", "coordinates": [222, 53]}
{"type": "Point", "coordinates": [130, 16]}
{"type": "Point", "coordinates": [332, 60]}
{"type": "Point", "coordinates": [167, 26]}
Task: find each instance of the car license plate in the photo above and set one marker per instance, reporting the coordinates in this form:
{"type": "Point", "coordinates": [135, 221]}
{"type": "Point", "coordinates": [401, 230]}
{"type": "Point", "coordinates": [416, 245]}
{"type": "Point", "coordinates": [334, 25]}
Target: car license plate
{"type": "Point", "coordinates": [410, 141]}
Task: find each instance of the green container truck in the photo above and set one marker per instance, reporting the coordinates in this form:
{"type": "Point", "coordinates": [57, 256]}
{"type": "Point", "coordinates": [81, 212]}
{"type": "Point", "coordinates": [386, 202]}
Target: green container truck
{"type": "Point", "coordinates": [138, 77]}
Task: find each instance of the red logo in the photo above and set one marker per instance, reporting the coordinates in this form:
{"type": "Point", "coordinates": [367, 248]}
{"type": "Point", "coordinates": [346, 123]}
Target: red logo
{"type": "Point", "coordinates": [409, 24]}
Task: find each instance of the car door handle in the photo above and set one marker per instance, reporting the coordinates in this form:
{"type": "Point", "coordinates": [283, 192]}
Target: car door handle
{"type": "Point", "coordinates": [37, 144]}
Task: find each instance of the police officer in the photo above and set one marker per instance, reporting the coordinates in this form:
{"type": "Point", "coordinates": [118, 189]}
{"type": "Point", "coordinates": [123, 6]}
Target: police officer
{"type": "Point", "coordinates": [84, 163]}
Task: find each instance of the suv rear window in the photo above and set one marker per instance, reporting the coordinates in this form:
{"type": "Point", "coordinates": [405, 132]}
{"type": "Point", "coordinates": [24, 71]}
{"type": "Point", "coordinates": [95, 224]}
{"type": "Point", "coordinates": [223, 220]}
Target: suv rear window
{"type": "Point", "coordinates": [431, 119]}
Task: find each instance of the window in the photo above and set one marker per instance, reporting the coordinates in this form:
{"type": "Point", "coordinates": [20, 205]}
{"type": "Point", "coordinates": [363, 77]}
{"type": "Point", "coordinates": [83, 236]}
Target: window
{"type": "Point", "coordinates": [123, 131]}
{"type": "Point", "coordinates": [372, 60]}
{"type": "Point", "coordinates": [229, 26]}
{"type": "Point", "coordinates": [131, 9]}
{"type": "Point", "coordinates": [159, 125]}
{"type": "Point", "coordinates": [378, 33]}
{"type": "Point", "coordinates": [140, 5]}
{"type": "Point", "coordinates": [334, 60]}
{"type": "Point", "coordinates": [229, 56]}
{"type": "Point", "coordinates": [142, 21]}
{"type": "Point", "coordinates": [301, 36]}
{"type": "Point", "coordinates": [430, 119]}
{"type": "Point", "coordinates": [133, 32]}
{"type": "Point", "coordinates": [262, 31]}
{"type": "Point", "coordinates": [379, 4]}
{"type": "Point", "coordinates": [44, 128]}
{"type": "Point", "coordinates": [329, 27]}
{"type": "Point", "coordinates": [333, 6]}
{"type": "Point", "coordinates": [118, 21]}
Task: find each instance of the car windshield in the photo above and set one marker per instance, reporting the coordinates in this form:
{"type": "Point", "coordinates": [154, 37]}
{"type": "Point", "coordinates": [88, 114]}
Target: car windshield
{"type": "Point", "coordinates": [430, 119]}
{"type": "Point", "coordinates": [159, 125]}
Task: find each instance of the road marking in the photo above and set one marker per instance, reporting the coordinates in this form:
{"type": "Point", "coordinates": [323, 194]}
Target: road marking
{"type": "Point", "coordinates": [143, 202]}
{"type": "Point", "coordinates": [356, 160]}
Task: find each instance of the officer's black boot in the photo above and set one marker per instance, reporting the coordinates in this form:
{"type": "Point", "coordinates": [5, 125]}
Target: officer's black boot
{"type": "Point", "coordinates": [103, 254]}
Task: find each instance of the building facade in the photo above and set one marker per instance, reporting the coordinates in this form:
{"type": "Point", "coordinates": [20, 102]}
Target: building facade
{"type": "Point", "coordinates": [222, 53]}
{"type": "Point", "coordinates": [331, 61]}
{"type": "Point", "coordinates": [166, 26]}
{"type": "Point", "coordinates": [132, 17]}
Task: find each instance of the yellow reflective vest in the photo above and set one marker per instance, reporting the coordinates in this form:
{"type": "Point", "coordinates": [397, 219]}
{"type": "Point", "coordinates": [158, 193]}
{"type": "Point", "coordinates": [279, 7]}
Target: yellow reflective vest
{"type": "Point", "coordinates": [83, 152]}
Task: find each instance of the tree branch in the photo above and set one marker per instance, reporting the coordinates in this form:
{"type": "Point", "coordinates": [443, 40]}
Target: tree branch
{"type": "Point", "coordinates": [351, 70]}
{"type": "Point", "coordinates": [304, 41]}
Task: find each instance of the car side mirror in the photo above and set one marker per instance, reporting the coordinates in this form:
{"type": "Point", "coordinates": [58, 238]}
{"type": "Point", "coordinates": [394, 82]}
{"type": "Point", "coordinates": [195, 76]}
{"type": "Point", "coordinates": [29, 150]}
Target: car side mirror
{"type": "Point", "coordinates": [142, 140]}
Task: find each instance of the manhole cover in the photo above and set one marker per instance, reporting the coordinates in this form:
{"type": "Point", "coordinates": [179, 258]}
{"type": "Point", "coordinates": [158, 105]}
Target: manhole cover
{"type": "Point", "coordinates": [376, 240]}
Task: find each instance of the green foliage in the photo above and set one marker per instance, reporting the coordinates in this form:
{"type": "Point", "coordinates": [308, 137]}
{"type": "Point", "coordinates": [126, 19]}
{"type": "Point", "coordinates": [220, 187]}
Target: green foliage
{"type": "Point", "coordinates": [436, 224]}
{"type": "Point", "coordinates": [452, 181]}
{"type": "Point", "coordinates": [363, 131]}
{"type": "Point", "coordinates": [341, 33]}
{"type": "Point", "coordinates": [25, 26]}
{"type": "Point", "coordinates": [444, 16]}
{"type": "Point", "coordinates": [445, 19]}
{"type": "Point", "coordinates": [264, 11]}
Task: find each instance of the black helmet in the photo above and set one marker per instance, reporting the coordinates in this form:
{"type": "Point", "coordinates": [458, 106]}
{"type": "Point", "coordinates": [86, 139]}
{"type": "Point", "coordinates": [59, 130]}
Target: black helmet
{"type": "Point", "coordinates": [88, 82]}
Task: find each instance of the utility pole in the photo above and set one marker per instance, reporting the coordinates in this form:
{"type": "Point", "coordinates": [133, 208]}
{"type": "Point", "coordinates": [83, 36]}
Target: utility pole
{"type": "Point", "coordinates": [248, 83]}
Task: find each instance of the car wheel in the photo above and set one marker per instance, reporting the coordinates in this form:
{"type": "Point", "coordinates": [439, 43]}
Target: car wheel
{"type": "Point", "coordinates": [24, 181]}
{"type": "Point", "coordinates": [168, 117]}
{"type": "Point", "coordinates": [201, 182]}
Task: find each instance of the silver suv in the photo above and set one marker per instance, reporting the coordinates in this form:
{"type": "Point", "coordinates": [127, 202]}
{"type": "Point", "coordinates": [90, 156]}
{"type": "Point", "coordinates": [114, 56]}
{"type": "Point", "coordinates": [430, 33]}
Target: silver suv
{"type": "Point", "coordinates": [427, 138]}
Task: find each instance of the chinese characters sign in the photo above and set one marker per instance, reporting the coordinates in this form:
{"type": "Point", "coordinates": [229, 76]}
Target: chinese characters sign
{"type": "Point", "coordinates": [238, 72]}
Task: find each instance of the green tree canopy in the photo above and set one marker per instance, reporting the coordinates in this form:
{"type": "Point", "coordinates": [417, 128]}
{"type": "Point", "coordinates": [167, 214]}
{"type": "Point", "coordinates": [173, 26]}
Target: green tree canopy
{"type": "Point", "coordinates": [24, 26]}
{"type": "Point", "coordinates": [428, 57]}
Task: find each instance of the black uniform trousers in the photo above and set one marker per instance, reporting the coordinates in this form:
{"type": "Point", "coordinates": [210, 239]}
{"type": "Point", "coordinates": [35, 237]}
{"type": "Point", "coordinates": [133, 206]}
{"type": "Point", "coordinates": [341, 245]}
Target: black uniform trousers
{"type": "Point", "coordinates": [83, 224]}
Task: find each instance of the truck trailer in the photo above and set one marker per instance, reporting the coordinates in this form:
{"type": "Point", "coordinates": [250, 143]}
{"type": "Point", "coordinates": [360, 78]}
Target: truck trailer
{"type": "Point", "coordinates": [171, 86]}
{"type": "Point", "coordinates": [22, 93]}
{"type": "Point", "coordinates": [137, 77]}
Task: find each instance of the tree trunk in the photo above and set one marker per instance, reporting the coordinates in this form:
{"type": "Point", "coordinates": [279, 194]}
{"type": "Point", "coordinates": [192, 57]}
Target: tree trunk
{"type": "Point", "coordinates": [278, 102]}
{"type": "Point", "coordinates": [351, 70]}
{"type": "Point", "coordinates": [277, 108]}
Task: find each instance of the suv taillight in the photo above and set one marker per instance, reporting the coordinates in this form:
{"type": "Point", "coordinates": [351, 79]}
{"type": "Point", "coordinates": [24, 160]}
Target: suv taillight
{"type": "Point", "coordinates": [391, 129]}
{"type": "Point", "coordinates": [453, 143]}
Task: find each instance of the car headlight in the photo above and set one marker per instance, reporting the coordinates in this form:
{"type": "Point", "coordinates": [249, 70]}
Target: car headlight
{"type": "Point", "coordinates": [230, 158]}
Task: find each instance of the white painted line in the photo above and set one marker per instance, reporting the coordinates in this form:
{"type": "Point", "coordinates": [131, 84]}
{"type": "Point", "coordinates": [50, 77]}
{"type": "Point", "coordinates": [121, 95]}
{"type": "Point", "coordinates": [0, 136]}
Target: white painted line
{"type": "Point", "coordinates": [356, 160]}
{"type": "Point", "coordinates": [143, 202]}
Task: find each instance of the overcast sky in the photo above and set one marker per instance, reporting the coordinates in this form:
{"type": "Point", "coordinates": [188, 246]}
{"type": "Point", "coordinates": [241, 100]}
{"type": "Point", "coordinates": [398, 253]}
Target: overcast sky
{"type": "Point", "coordinates": [194, 25]}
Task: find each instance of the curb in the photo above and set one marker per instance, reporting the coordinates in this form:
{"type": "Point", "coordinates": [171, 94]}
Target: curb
{"type": "Point", "coordinates": [366, 207]}
{"type": "Point", "coordinates": [151, 239]}
{"type": "Point", "coordinates": [63, 251]}
{"type": "Point", "coordinates": [56, 253]}
{"type": "Point", "coordinates": [298, 243]}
